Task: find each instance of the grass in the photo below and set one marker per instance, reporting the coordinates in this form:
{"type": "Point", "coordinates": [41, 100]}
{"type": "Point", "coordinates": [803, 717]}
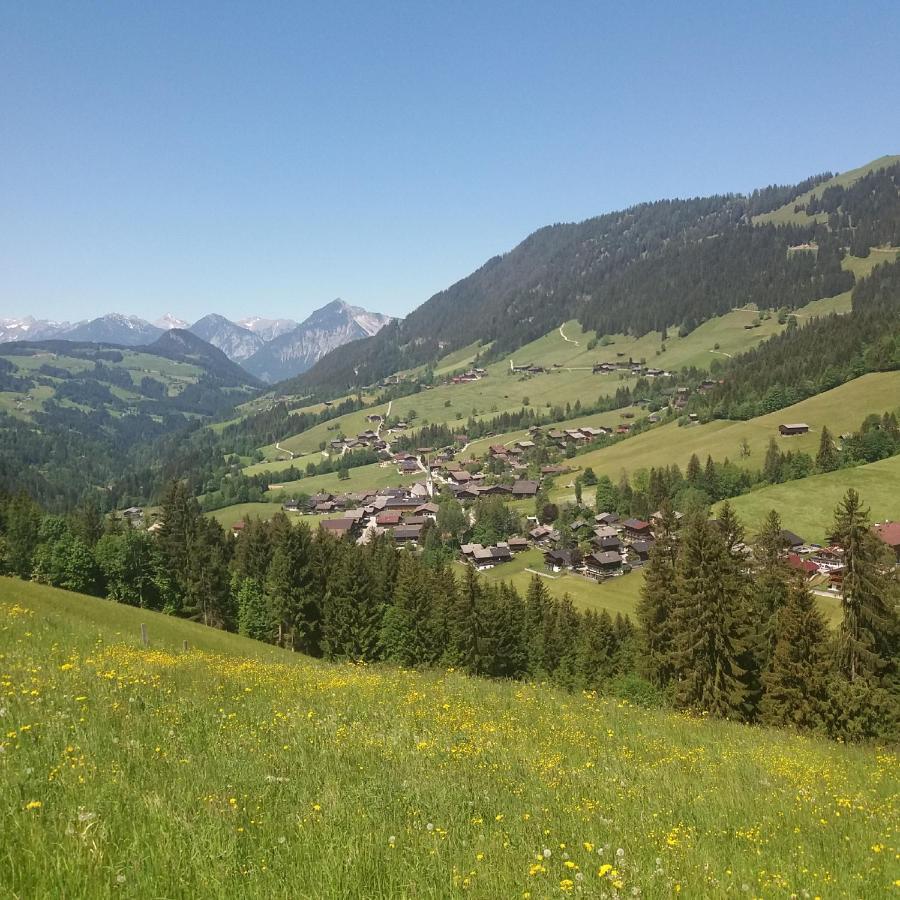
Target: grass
{"type": "Point", "coordinates": [371, 477]}
{"type": "Point", "coordinates": [617, 595]}
{"type": "Point", "coordinates": [234, 769]}
{"type": "Point", "coordinates": [240, 512]}
{"type": "Point", "coordinates": [841, 409]}
{"type": "Point", "coordinates": [807, 506]}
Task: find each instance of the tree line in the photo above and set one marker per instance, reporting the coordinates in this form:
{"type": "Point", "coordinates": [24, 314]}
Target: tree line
{"type": "Point", "coordinates": [720, 631]}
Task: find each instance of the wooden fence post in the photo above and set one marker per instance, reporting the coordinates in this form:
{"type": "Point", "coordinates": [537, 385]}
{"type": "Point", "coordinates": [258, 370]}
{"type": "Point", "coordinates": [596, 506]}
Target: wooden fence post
{"type": "Point", "coordinates": [184, 646]}
{"type": "Point", "coordinates": [145, 640]}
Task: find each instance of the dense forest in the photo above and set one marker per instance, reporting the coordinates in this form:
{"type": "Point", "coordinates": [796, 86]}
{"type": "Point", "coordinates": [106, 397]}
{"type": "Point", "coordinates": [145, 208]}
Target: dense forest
{"type": "Point", "coordinates": [720, 630]}
{"type": "Point", "coordinates": [671, 264]}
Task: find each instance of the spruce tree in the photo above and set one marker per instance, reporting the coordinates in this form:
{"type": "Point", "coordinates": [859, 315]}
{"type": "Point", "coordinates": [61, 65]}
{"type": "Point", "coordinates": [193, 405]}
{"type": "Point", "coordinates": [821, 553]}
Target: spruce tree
{"type": "Point", "coordinates": [794, 684]}
{"type": "Point", "coordinates": [254, 617]}
{"type": "Point", "coordinates": [827, 457]}
{"type": "Point", "coordinates": [869, 636]}
{"type": "Point", "coordinates": [537, 605]}
{"type": "Point", "coordinates": [655, 606]}
{"type": "Point", "coordinates": [464, 625]}
{"type": "Point", "coordinates": [351, 626]}
{"type": "Point", "coordinates": [712, 632]}
{"type": "Point", "coordinates": [407, 633]}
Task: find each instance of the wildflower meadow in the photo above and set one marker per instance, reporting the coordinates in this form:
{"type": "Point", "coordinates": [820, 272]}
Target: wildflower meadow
{"type": "Point", "coordinates": [231, 768]}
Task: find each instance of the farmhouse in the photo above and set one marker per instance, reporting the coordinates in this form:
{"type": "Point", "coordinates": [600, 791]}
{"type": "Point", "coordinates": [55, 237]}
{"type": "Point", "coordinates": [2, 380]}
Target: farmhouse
{"type": "Point", "coordinates": [523, 488]}
{"type": "Point", "coordinates": [603, 562]}
{"type": "Point", "coordinates": [338, 527]}
{"type": "Point", "coordinates": [889, 533]}
{"type": "Point", "coordinates": [559, 559]}
{"type": "Point", "coordinates": [795, 428]}
{"type": "Point", "coordinates": [636, 528]}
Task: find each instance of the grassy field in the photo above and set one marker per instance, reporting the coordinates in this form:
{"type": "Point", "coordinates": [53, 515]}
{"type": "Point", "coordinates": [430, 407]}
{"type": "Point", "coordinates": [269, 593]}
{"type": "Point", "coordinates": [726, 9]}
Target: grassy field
{"type": "Point", "coordinates": [362, 478]}
{"type": "Point", "coordinates": [841, 409]}
{"type": "Point", "coordinates": [807, 506]}
{"type": "Point", "coordinates": [234, 769]}
{"type": "Point", "coordinates": [240, 512]}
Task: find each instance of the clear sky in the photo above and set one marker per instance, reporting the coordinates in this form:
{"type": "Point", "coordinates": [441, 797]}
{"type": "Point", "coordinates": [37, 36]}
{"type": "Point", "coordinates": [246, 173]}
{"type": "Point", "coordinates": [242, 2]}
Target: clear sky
{"type": "Point", "coordinates": [264, 158]}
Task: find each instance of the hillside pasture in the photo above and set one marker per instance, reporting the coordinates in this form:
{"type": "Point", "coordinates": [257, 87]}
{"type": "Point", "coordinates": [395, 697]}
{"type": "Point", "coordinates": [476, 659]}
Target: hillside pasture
{"type": "Point", "coordinates": [841, 409]}
{"type": "Point", "coordinates": [232, 768]}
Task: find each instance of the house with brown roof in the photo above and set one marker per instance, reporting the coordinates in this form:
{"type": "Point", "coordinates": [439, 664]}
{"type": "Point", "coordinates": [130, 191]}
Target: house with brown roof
{"type": "Point", "coordinates": [338, 527]}
{"type": "Point", "coordinates": [603, 562]}
{"type": "Point", "coordinates": [524, 488]}
{"type": "Point", "coordinates": [795, 428]}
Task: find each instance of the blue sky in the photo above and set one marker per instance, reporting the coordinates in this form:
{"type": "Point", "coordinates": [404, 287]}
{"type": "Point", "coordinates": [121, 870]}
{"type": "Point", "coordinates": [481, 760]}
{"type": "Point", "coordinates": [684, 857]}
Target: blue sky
{"type": "Point", "coordinates": [264, 158]}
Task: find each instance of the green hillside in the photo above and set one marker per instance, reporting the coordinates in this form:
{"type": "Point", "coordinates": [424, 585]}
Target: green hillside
{"type": "Point", "coordinates": [807, 506]}
{"type": "Point", "coordinates": [234, 769]}
{"type": "Point", "coordinates": [841, 409]}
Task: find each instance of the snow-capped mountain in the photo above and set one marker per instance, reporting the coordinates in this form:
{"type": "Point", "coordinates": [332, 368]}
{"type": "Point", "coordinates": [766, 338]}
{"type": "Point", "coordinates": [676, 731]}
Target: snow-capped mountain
{"type": "Point", "coordinates": [28, 328]}
{"type": "Point", "coordinates": [295, 351]}
{"type": "Point", "coordinates": [167, 322]}
{"type": "Point", "coordinates": [113, 328]}
{"type": "Point", "coordinates": [236, 342]}
{"type": "Point", "coordinates": [268, 329]}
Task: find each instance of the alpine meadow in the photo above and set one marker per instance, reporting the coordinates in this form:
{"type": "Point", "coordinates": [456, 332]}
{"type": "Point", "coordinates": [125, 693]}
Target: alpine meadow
{"type": "Point", "coordinates": [576, 575]}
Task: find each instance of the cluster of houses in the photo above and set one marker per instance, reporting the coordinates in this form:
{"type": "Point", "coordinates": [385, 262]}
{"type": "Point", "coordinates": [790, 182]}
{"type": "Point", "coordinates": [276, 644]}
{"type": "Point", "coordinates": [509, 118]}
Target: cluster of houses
{"type": "Point", "coordinates": [402, 511]}
{"type": "Point", "coordinates": [617, 545]}
{"type": "Point", "coordinates": [471, 375]}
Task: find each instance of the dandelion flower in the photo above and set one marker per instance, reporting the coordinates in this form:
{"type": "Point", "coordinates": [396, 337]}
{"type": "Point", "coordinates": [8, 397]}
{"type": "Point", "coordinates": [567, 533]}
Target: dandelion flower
{"type": "Point", "coordinates": [33, 804]}
{"type": "Point", "coordinates": [547, 853]}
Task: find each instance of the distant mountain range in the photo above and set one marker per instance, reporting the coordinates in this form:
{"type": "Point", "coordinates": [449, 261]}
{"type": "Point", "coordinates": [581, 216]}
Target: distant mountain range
{"type": "Point", "coordinates": [269, 349]}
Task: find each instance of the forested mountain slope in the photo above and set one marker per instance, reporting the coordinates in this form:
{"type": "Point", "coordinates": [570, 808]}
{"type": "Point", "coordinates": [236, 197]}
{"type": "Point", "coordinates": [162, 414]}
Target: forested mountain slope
{"type": "Point", "coordinates": [75, 416]}
{"type": "Point", "coordinates": [669, 264]}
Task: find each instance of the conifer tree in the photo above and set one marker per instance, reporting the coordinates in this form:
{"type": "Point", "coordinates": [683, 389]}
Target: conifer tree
{"type": "Point", "coordinates": [537, 606]}
{"type": "Point", "coordinates": [254, 617]}
{"type": "Point", "coordinates": [464, 625]}
{"type": "Point", "coordinates": [712, 640]}
{"type": "Point", "coordinates": [352, 621]}
{"type": "Point", "coordinates": [869, 636]}
{"type": "Point", "coordinates": [407, 633]}
{"type": "Point", "coordinates": [827, 457]}
{"type": "Point", "coordinates": [772, 463]}
{"type": "Point", "coordinates": [795, 682]}
{"type": "Point", "coordinates": [655, 606]}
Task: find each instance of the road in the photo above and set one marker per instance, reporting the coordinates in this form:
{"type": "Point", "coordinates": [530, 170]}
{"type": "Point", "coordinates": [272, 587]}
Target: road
{"type": "Point", "coordinates": [722, 353]}
{"type": "Point", "coordinates": [568, 340]}
{"type": "Point", "coordinates": [284, 450]}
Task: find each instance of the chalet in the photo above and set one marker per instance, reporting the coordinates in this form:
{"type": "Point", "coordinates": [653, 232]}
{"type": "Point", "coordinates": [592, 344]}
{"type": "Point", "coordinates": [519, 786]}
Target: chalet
{"type": "Point", "coordinates": [610, 542]}
{"type": "Point", "coordinates": [554, 470]}
{"type": "Point", "coordinates": [338, 527]}
{"type": "Point", "coordinates": [795, 428]}
{"type": "Point", "coordinates": [467, 493]}
{"type": "Point", "coordinates": [133, 513]}
{"type": "Point", "coordinates": [523, 488]}
{"type": "Point", "coordinates": [402, 504]}
{"type": "Point", "coordinates": [428, 509]}
{"type": "Point", "coordinates": [290, 506]}
{"type": "Point", "coordinates": [623, 428]}
{"type": "Point", "coordinates": [574, 434]}
{"type": "Point", "coordinates": [407, 533]}
{"type": "Point", "coordinates": [460, 476]}
{"type": "Point", "coordinates": [388, 519]}
{"type": "Point", "coordinates": [636, 528]}
{"type": "Point", "coordinates": [413, 520]}
{"type": "Point", "coordinates": [408, 467]}
{"type": "Point", "coordinates": [889, 533]}
{"type": "Point", "coordinates": [373, 417]}
{"type": "Point", "coordinates": [525, 445]}
{"type": "Point", "coordinates": [556, 435]}
{"type": "Point", "coordinates": [602, 531]}
{"type": "Point", "coordinates": [641, 549]}
{"type": "Point", "coordinates": [419, 491]}
{"type": "Point", "coordinates": [517, 543]}
{"type": "Point", "coordinates": [316, 499]}
{"type": "Point", "coordinates": [493, 490]}
{"type": "Point", "coordinates": [326, 507]}
{"type": "Point", "coordinates": [238, 527]}
{"type": "Point", "coordinates": [799, 564]}
{"type": "Point", "coordinates": [579, 525]}
{"type": "Point", "coordinates": [606, 518]}
{"type": "Point", "coordinates": [789, 539]}
{"type": "Point", "coordinates": [603, 562]}
{"type": "Point", "coordinates": [543, 534]}
{"type": "Point", "coordinates": [559, 559]}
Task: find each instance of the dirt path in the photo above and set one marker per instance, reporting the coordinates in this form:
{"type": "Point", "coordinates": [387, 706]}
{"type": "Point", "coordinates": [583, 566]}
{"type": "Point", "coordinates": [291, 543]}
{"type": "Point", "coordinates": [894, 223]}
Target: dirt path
{"type": "Point", "coordinates": [281, 449]}
{"type": "Point", "coordinates": [722, 353]}
{"type": "Point", "coordinates": [568, 340]}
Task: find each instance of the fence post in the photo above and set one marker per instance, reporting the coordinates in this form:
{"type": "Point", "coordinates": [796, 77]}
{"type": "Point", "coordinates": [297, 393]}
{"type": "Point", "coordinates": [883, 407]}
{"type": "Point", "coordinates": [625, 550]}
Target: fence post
{"type": "Point", "coordinates": [144, 639]}
{"type": "Point", "coordinates": [184, 646]}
